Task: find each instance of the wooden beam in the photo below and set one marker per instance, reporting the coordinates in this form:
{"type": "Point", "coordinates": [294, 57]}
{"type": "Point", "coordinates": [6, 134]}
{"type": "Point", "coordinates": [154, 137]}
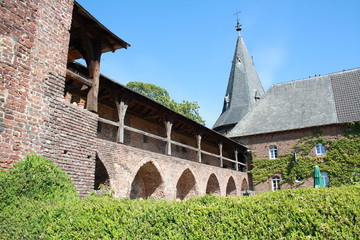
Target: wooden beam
{"type": "Point", "coordinates": [221, 154]}
{"type": "Point", "coordinates": [198, 141]}
{"type": "Point", "coordinates": [70, 74]}
{"type": "Point", "coordinates": [145, 133]}
{"type": "Point", "coordinates": [168, 126]}
{"type": "Point", "coordinates": [121, 109]}
{"type": "Point", "coordinates": [183, 145]}
{"type": "Point", "coordinates": [236, 159]}
{"type": "Point", "coordinates": [103, 120]}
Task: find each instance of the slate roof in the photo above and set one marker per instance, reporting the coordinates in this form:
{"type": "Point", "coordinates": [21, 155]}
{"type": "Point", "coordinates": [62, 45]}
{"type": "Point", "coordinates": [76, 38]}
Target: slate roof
{"type": "Point", "coordinates": [244, 84]}
{"type": "Point", "coordinates": [322, 100]}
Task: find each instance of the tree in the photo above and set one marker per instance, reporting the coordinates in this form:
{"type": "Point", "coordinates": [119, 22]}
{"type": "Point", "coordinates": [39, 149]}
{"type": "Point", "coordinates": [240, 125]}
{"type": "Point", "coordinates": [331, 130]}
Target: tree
{"type": "Point", "coordinates": [160, 95]}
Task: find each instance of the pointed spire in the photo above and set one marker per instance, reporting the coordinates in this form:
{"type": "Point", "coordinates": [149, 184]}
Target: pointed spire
{"type": "Point", "coordinates": [243, 90]}
{"type": "Point", "coordinates": [238, 25]}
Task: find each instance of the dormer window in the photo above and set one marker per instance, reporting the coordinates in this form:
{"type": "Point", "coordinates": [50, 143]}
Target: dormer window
{"type": "Point", "coordinates": [257, 96]}
{"type": "Point", "coordinates": [238, 59]}
{"type": "Point", "coordinates": [320, 149]}
{"type": "Point", "coordinates": [273, 153]}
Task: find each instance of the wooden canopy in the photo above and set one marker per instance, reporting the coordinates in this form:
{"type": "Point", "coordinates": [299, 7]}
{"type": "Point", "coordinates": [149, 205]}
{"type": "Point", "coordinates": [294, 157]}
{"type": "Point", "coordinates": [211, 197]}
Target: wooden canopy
{"type": "Point", "coordinates": [85, 27]}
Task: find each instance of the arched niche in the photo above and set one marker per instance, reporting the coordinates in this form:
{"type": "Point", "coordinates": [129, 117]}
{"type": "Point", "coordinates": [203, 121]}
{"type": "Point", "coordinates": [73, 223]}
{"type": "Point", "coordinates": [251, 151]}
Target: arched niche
{"type": "Point", "coordinates": [231, 188]}
{"type": "Point", "coordinates": [101, 175]}
{"type": "Point", "coordinates": [186, 186]}
{"type": "Point", "coordinates": [147, 183]}
{"type": "Point", "coordinates": [244, 185]}
{"type": "Point", "coordinates": [213, 186]}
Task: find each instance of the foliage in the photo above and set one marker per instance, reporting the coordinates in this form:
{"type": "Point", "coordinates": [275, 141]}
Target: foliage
{"type": "Point", "coordinates": [341, 162]}
{"type": "Point", "coordinates": [160, 95]}
{"type": "Point", "coordinates": [47, 208]}
{"type": "Point", "coordinates": [292, 214]}
{"type": "Point", "coordinates": [35, 178]}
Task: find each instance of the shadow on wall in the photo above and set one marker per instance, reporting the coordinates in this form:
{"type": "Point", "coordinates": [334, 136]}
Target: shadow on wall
{"type": "Point", "coordinates": [147, 183]}
{"type": "Point", "coordinates": [186, 186]}
{"type": "Point", "coordinates": [231, 188]}
{"type": "Point", "coordinates": [213, 186]}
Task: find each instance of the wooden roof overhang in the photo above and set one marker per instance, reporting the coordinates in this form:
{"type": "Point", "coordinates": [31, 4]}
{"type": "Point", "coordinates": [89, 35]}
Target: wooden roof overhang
{"type": "Point", "coordinates": [85, 27]}
{"type": "Point", "coordinates": [144, 107]}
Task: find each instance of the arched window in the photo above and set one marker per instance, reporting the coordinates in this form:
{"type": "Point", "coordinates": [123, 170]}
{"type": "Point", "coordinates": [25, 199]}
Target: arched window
{"type": "Point", "coordinates": [273, 153]}
{"type": "Point", "coordinates": [319, 149]}
{"type": "Point", "coordinates": [275, 183]}
{"type": "Point", "coordinates": [325, 178]}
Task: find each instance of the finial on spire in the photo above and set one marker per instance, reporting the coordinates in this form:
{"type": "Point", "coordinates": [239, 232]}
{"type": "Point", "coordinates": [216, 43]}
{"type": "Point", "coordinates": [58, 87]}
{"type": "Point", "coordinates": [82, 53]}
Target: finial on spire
{"type": "Point", "coordinates": [238, 25]}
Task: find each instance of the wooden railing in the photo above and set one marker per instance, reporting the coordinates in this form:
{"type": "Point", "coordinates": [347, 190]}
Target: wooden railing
{"type": "Point", "coordinates": [166, 140]}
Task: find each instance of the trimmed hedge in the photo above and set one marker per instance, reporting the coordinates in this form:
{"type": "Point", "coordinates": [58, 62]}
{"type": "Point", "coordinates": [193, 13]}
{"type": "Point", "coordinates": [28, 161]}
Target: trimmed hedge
{"type": "Point", "coordinates": [326, 213]}
{"type": "Point", "coordinates": [37, 178]}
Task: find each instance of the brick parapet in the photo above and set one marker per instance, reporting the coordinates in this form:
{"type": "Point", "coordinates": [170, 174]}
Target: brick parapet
{"type": "Point", "coordinates": [123, 162]}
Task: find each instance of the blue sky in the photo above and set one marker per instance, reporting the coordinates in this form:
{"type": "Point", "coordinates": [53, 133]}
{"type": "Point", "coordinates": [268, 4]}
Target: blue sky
{"type": "Point", "coordinates": [187, 46]}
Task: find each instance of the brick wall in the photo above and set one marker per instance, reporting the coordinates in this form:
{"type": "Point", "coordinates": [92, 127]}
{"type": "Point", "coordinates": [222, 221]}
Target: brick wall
{"type": "Point", "coordinates": [259, 144]}
{"type": "Point", "coordinates": [124, 162]}
{"type": "Point", "coordinates": [33, 54]}
{"type": "Point", "coordinates": [71, 143]}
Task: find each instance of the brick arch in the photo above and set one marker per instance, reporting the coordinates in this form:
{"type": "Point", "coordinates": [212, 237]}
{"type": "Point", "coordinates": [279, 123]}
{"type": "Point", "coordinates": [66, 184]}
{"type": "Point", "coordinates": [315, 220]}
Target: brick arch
{"type": "Point", "coordinates": [244, 185]}
{"type": "Point", "coordinates": [102, 176]}
{"type": "Point", "coordinates": [213, 186]}
{"type": "Point", "coordinates": [186, 185]}
{"type": "Point", "coordinates": [231, 188]}
{"type": "Point", "coordinates": [147, 182]}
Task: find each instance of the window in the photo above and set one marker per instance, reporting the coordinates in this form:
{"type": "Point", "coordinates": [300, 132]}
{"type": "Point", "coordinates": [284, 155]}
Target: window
{"type": "Point", "coordinates": [319, 149]}
{"type": "Point", "coordinates": [273, 152]}
{"type": "Point", "coordinates": [325, 178]}
{"type": "Point", "coordinates": [275, 183]}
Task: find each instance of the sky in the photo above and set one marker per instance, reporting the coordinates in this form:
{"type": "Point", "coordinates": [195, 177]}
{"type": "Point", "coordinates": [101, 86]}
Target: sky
{"type": "Point", "coordinates": [187, 46]}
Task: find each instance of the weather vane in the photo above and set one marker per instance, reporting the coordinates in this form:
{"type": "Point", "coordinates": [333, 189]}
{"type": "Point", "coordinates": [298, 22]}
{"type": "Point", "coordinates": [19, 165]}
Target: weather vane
{"type": "Point", "coordinates": [238, 25]}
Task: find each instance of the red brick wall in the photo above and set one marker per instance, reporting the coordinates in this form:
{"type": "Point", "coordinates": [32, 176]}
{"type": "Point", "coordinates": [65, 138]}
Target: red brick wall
{"type": "Point", "coordinates": [71, 142]}
{"type": "Point", "coordinates": [33, 54]}
{"type": "Point", "coordinates": [124, 162]}
{"type": "Point", "coordinates": [259, 144]}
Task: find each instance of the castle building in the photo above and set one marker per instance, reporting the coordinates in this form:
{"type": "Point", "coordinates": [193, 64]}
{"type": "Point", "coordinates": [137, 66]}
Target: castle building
{"type": "Point", "coordinates": [271, 123]}
{"type": "Point", "coordinates": [95, 129]}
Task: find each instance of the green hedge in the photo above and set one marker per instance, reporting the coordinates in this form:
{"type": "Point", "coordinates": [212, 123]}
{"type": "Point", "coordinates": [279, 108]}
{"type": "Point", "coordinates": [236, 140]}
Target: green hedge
{"type": "Point", "coordinates": [292, 214]}
{"type": "Point", "coordinates": [37, 178]}
{"type": "Point", "coordinates": [326, 213]}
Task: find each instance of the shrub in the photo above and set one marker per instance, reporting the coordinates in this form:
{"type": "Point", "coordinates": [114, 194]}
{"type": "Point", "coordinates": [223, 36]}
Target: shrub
{"type": "Point", "coordinates": [35, 178]}
{"type": "Point", "coordinates": [308, 213]}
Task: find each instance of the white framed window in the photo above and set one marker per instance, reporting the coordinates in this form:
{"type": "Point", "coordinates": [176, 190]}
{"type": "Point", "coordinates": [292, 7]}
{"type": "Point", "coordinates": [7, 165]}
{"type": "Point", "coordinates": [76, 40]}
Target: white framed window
{"type": "Point", "coordinates": [273, 153]}
{"type": "Point", "coordinates": [325, 178]}
{"type": "Point", "coordinates": [320, 149]}
{"type": "Point", "coordinates": [275, 183]}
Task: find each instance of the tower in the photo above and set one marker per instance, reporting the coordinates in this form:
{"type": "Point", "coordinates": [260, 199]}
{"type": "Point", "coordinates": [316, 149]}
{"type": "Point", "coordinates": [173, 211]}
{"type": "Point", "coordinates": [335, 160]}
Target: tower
{"type": "Point", "coordinates": [243, 90]}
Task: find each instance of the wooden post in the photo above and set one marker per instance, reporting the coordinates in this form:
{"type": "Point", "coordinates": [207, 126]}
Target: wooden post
{"type": "Point", "coordinates": [121, 108]}
{"type": "Point", "coordinates": [198, 140]}
{"type": "Point", "coordinates": [92, 54]}
{"type": "Point", "coordinates": [94, 74]}
{"type": "Point", "coordinates": [168, 126]}
{"type": "Point", "coordinates": [221, 154]}
{"type": "Point", "coordinates": [237, 161]}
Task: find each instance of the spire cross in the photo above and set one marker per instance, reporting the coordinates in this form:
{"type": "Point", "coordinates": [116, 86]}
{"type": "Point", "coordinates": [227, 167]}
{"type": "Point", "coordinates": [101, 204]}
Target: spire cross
{"type": "Point", "coordinates": [238, 25]}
